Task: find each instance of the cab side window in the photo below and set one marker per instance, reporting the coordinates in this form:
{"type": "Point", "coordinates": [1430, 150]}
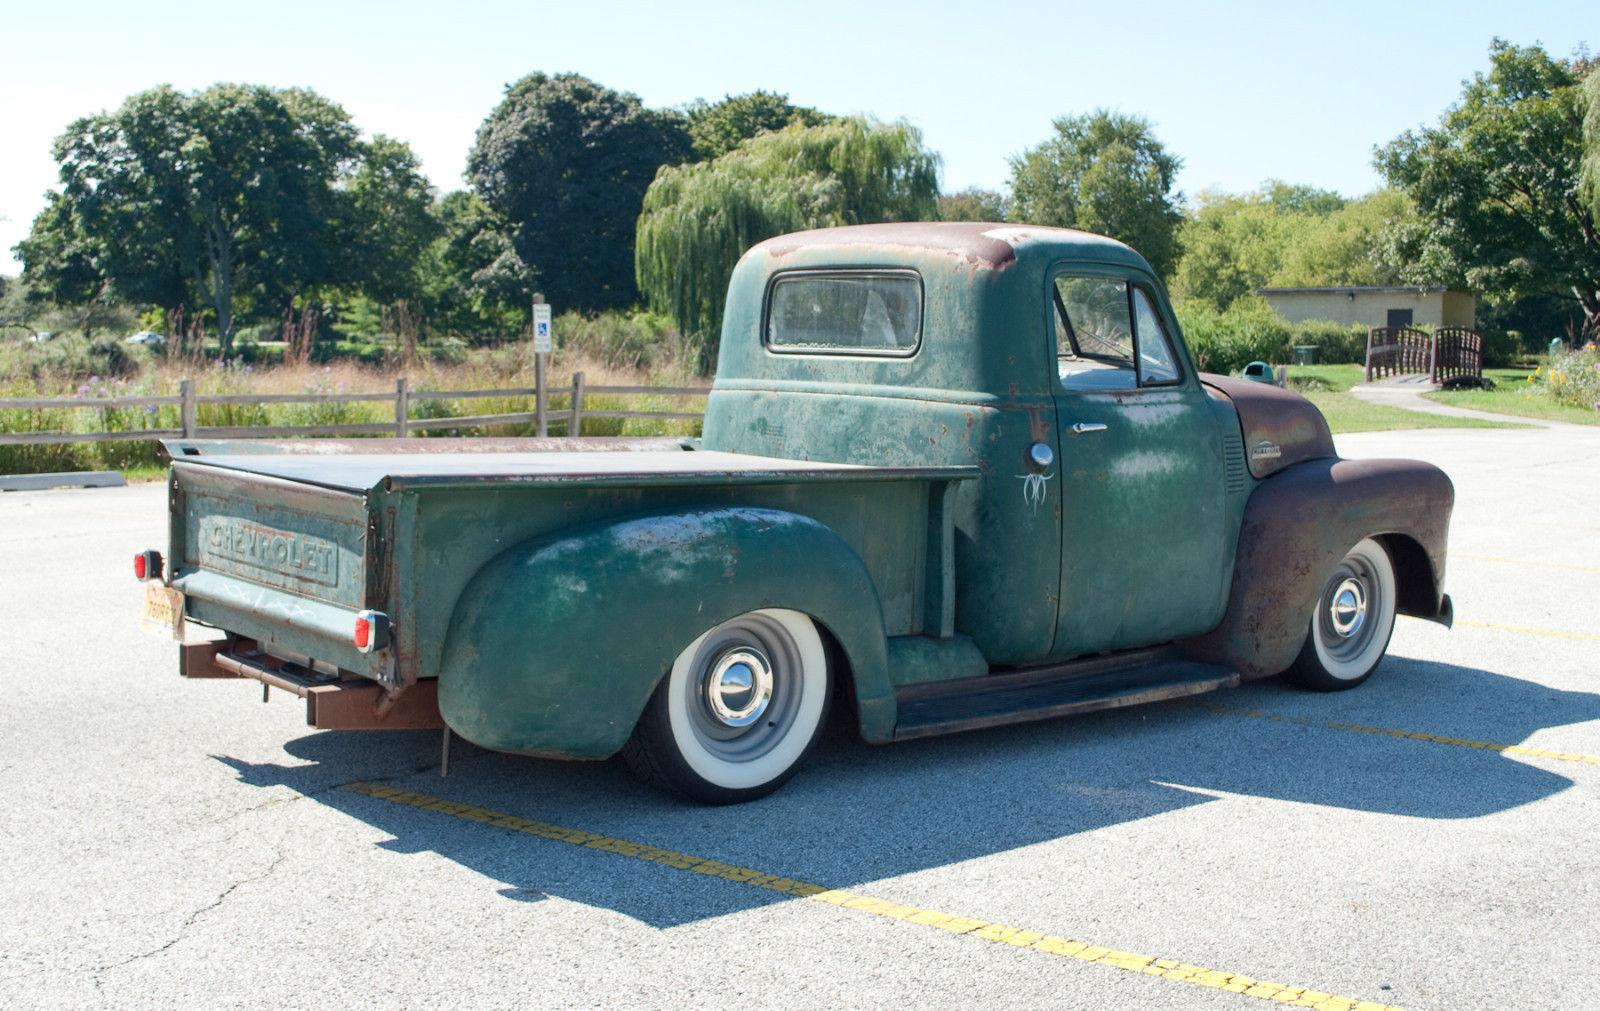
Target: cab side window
{"type": "Point", "coordinates": [1094, 334]}
{"type": "Point", "coordinates": [1158, 365]}
{"type": "Point", "coordinates": [1109, 336]}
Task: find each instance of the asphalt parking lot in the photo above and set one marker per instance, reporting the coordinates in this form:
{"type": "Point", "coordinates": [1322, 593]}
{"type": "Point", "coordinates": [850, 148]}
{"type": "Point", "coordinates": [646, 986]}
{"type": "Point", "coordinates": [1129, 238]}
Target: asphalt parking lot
{"type": "Point", "coordinates": [1426, 841]}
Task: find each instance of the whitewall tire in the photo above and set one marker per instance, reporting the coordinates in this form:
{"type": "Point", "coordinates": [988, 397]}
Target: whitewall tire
{"type": "Point", "coordinates": [1351, 622]}
{"type": "Point", "coordinates": [742, 706]}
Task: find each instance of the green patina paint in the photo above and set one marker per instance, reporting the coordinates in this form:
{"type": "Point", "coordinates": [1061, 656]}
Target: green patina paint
{"type": "Point", "coordinates": [549, 593]}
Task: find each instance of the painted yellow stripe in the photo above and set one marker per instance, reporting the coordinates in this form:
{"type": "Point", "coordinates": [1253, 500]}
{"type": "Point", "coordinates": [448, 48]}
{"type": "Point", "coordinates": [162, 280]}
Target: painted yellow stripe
{"type": "Point", "coordinates": [997, 933]}
{"type": "Point", "coordinates": [1523, 629]}
{"type": "Point", "coordinates": [1412, 735]}
{"type": "Point", "coordinates": [1526, 561]}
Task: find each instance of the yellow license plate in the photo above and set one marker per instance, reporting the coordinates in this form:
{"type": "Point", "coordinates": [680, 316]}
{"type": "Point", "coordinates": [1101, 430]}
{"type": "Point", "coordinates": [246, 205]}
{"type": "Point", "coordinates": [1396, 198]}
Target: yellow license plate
{"type": "Point", "coordinates": [163, 611]}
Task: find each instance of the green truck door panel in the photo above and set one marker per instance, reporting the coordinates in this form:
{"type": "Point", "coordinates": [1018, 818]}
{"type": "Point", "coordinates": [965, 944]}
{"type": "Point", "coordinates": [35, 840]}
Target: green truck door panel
{"type": "Point", "coordinates": [1145, 513]}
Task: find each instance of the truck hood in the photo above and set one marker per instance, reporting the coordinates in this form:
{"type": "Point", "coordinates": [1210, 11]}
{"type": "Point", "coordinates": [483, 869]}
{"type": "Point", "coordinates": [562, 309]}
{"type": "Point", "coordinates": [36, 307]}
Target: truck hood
{"type": "Point", "coordinates": [1280, 427]}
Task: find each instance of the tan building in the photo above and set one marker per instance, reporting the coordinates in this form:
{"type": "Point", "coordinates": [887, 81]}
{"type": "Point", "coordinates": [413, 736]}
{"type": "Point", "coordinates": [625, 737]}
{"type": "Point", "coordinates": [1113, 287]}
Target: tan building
{"type": "Point", "coordinates": [1375, 306]}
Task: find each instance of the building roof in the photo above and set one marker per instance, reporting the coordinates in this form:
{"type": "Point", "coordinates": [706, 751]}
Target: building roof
{"type": "Point", "coordinates": [1361, 289]}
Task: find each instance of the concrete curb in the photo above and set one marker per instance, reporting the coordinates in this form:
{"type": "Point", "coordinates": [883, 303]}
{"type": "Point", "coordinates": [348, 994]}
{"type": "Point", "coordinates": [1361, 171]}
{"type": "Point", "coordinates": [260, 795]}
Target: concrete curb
{"type": "Point", "coordinates": [76, 479]}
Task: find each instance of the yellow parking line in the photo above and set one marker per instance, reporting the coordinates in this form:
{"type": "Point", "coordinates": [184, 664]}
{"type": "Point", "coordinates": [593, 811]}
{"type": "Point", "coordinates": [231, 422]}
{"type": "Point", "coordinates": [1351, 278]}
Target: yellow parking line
{"type": "Point", "coordinates": [1525, 630]}
{"type": "Point", "coordinates": [1526, 561]}
{"type": "Point", "coordinates": [1412, 735]}
{"type": "Point", "coordinates": [998, 933]}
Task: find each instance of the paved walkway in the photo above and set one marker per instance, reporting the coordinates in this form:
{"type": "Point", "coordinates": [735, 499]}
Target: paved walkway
{"type": "Point", "coordinates": [1406, 393]}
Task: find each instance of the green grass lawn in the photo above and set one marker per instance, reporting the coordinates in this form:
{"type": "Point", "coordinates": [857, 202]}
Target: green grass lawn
{"type": "Point", "coordinates": [1328, 387]}
{"type": "Point", "coordinates": [1519, 398]}
{"type": "Point", "coordinates": [1345, 413]}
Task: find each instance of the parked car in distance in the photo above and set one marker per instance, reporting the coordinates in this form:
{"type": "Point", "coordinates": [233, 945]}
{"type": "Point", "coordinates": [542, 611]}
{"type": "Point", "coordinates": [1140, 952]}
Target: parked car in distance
{"type": "Point", "coordinates": [147, 338]}
{"type": "Point", "coordinates": [42, 336]}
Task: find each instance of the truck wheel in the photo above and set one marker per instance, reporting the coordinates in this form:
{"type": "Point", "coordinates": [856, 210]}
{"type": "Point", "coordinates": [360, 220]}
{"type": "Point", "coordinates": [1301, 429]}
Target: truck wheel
{"type": "Point", "coordinates": [741, 707]}
{"type": "Point", "coordinates": [1353, 621]}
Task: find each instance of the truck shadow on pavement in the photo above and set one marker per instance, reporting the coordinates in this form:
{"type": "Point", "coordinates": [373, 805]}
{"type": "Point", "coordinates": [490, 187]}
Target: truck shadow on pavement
{"type": "Point", "coordinates": [859, 813]}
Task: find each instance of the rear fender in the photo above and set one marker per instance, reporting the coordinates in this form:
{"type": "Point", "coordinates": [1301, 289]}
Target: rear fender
{"type": "Point", "coordinates": [1299, 523]}
{"type": "Point", "coordinates": [556, 645]}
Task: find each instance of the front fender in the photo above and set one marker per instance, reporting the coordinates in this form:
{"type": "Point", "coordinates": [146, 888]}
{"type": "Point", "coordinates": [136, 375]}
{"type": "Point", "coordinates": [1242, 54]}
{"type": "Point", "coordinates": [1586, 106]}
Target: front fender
{"type": "Point", "coordinates": [1298, 524]}
{"type": "Point", "coordinates": [556, 645]}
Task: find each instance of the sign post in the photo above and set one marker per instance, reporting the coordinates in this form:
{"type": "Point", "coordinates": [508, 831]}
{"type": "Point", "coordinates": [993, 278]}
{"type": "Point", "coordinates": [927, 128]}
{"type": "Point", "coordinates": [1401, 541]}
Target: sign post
{"type": "Point", "coordinates": [542, 343]}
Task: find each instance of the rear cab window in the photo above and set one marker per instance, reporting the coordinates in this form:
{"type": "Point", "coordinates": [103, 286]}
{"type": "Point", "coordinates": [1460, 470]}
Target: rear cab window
{"type": "Point", "coordinates": [1109, 336]}
{"type": "Point", "coordinates": [845, 312]}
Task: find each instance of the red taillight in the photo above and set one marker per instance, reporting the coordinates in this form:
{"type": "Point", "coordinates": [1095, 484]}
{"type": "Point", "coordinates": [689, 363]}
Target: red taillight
{"type": "Point", "coordinates": [147, 565]}
{"type": "Point", "coordinates": [372, 631]}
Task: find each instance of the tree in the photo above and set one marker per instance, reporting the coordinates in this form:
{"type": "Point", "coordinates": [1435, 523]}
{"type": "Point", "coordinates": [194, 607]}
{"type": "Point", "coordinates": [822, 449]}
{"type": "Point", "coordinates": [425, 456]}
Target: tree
{"type": "Point", "coordinates": [972, 204]}
{"type": "Point", "coordinates": [1284, 235]}
{"type": "Point", "coordinates": [1590, 180]}
{"type": "Point", "coordinates": [565, 163]}
{"type": "Point", "coordinates": [1103, 172]}
{"type": "Point", "coordinates": [391, 223]}
{"type": "Point", "coordinates": [219, 196]}
{"type": "Point", "coordinates": [1497, 182]}
{"type": "Point", "coordinates": [61, 268]}
{"type": "Point", "coordinates": [717, 128]}
{"type": "Point", "coordinates": [473, 281]}
{"type": "Point", "coordinates": [699, 219]}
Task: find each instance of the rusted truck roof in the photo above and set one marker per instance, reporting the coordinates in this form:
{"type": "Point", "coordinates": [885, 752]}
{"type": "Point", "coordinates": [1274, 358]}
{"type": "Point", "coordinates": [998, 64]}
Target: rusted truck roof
{"type": "Point", "coordinates": [990, 244]}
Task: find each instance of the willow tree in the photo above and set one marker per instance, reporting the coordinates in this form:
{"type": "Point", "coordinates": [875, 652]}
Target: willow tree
{"type": "Point", "coordinates": [699, 219]}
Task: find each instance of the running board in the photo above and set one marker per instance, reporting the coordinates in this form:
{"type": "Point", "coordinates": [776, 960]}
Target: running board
{"type": "Point", "coordinates": [1081, 687]}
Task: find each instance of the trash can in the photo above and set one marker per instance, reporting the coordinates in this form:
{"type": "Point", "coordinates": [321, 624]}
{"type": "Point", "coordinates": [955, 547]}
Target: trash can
{"type": "Point", "coordinates": [1261, 372]}
{"type": "Point", "coordinates": [1305, 354]}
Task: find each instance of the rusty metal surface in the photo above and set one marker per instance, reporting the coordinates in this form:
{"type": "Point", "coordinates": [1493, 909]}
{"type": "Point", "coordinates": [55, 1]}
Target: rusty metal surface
{"type": "Point", "coordinates": [366, 706]}
{"type": "Point", "coordinates": [1281, 428]}
{"type": "Point", "coordinates": [1298, 524]}
{"type": "Point", "coordinates": [183, 448]}
{"type": "Point", "coordinates": [199, 660]}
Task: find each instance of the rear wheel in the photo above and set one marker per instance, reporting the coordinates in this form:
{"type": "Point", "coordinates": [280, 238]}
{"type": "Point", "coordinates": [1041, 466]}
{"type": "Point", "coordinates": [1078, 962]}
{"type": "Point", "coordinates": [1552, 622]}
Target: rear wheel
{"type": "Point", "coordinates": [1352, 622]}
{"type": "Point", "coordinates": [740, 709]}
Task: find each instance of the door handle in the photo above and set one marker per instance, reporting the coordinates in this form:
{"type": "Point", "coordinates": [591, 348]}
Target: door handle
{"type": "Point", "coordinates": [1088, 426]}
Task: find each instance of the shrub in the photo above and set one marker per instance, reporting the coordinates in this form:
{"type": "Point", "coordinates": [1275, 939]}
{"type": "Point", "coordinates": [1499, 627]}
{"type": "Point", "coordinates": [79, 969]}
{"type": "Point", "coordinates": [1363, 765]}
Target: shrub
{"type": "Point", "coordinates": [449, 351]}
{"type": "Point", "coordinates": [634, 339]}
{"type": "Point", "coordinates": [1572, 378]}
{"type": "Point", "coordinates": [1336, 343]}
{"type": "Point", "coordinates": [1501, 348]}
{"type": "Point", "coordinates": [1228, 341]}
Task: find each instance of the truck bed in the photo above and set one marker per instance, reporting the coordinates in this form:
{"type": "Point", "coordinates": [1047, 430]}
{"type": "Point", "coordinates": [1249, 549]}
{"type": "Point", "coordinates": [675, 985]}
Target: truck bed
{"type": "Point", "coordinates": [401, 471]}
{"type": "Point", "coordinates": [284, 548]}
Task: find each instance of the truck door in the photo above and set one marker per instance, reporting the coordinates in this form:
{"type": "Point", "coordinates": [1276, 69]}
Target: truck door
{"type": "Point", "coordinates": [1143, 499]}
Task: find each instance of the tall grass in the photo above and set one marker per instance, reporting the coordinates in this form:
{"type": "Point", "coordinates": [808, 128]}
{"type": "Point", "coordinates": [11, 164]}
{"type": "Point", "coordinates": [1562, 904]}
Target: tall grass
{"type": "Point", "coordinates": [501, 368]}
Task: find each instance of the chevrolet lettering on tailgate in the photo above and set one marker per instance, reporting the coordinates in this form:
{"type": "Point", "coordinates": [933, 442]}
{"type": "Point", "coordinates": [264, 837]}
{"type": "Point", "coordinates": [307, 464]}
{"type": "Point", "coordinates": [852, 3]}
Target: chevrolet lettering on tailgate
{"type": "Point", "coordinates": [255, 546]}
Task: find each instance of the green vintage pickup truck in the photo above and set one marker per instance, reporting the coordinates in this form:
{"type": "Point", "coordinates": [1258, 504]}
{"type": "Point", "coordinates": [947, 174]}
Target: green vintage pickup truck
{"type": "Point", "coordinates": [952, 476]}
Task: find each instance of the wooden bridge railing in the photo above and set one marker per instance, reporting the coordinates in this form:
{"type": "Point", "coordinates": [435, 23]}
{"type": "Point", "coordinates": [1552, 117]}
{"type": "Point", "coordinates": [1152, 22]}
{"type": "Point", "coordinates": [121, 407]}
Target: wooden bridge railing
{"type": "Point", "coordinates": [1457, 351]}
{"type": "Point", "coordinates": [1446, 353]}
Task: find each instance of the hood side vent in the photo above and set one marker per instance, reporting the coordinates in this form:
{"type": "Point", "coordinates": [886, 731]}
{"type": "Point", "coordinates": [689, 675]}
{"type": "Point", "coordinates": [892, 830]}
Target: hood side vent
{"type": "Point", "coordinates": [1233, 460]}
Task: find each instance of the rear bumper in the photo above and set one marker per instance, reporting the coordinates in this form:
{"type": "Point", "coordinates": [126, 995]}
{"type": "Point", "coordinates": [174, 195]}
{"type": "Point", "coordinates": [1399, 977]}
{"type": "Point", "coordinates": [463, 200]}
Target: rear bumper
{"type": "Point", "coordinates": [282, 622]}
{"type": "Point", "coordinates": [332, 702]}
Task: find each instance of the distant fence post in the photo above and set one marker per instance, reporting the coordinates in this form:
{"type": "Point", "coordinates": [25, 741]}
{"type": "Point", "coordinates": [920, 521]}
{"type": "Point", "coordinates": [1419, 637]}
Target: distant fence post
{"type": "Point", "coordinates": [187, 414]}
{"type": "Point", "coordinates": [575, 426]}
{"type": "Point", "coordinates": [402, 406]}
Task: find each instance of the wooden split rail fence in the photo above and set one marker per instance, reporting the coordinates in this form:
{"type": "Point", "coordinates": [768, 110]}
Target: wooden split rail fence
{"type": "Point", "coordinates": [1445, 353]}
{"type": "Point", "coordinates": [402, 397]}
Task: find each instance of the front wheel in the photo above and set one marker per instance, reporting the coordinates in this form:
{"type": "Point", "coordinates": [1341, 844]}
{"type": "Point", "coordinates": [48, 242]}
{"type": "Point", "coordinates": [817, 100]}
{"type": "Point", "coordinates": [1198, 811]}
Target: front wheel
{"type": "Point", "coordinates": [740, 709]}
{"type": "Point", "coordinates": [1352, 623]}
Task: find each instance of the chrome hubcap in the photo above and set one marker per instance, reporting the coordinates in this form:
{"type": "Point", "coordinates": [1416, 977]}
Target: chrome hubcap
{"type": "Point", "coordinates": [738, 687]}
{"type": "Point", "coordinates": [1347, 610]}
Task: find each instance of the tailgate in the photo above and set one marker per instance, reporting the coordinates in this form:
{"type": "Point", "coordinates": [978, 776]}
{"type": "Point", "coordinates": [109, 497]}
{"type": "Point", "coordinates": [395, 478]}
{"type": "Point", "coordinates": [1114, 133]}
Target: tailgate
{"type": "Point", "coordinates": [275, 560]}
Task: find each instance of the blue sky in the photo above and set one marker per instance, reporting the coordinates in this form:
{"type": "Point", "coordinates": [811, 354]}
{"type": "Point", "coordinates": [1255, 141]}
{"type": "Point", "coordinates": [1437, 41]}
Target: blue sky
{"type": "Point", "coordinates": [1242, 92]}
